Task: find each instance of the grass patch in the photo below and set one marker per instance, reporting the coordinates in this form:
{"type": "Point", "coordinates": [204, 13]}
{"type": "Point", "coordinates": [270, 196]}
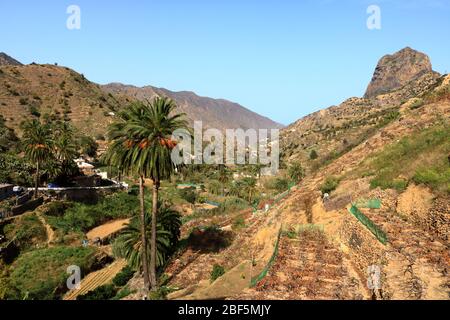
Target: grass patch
{"type": "Point", "coordinates": [27, 232]}
{"type": "Point", "coordinates": [421, 157]}
{"type": "Point", "coordinates": [41, 274]}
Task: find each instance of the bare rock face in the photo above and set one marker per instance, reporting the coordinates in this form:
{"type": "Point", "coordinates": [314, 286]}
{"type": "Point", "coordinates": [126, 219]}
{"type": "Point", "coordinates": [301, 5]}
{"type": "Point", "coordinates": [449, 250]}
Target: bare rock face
{"type": "Point", "coordinates": [6, 60]}
{"type": "Point", "coordinates": [395, 71]}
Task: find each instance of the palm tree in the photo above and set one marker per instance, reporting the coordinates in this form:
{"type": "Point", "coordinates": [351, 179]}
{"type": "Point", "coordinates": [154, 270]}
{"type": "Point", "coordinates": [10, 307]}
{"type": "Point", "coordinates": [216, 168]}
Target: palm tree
{"type": "Point", "coordinates": [66, 150]}
{"type": "Point", "coordinates": [129, 243]}
{"type": "Point", "coordinates": [296, 172]}
{"type": "Point", "coordinates": [38, 143]}
{"type": "Point", "coordinates": [141, 144]}
{"type": "Point", "coordinates": [248, 188]}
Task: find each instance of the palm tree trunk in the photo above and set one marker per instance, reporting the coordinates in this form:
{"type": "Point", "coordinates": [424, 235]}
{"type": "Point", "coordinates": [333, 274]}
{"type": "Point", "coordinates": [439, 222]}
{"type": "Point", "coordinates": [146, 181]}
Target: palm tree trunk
{"type": "Point", "coordinates": [143, 235]}
{"type": "Point", "coordinates": [156, 185]}
{"type": "Point", "coordinates": [36, 181]}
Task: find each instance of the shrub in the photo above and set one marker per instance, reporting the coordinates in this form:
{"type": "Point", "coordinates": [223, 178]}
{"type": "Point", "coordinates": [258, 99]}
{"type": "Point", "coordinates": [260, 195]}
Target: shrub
{"type": "Point", "coordinates": [100, 137]}
{"type": "Point", "coordinates": [238, 223]}
{"type": "Point", "coordinates": [416, 104]}
{"type": "Point", "coordinates": [330, 184]}
{"type": "Point", "coordinates": [189, 194]}
{"type": "Point", "coordinates": [313, 155]}
{"type": "Point", "coordinates": [217, 272]}
{"type": "Point", "coordinates": [281, 184]}
{"type": "Point", "coordinates": [296, 172]}
{"type": "Point", "coordinates": [123, 277]}
{"type": "Point", "coordinates": [160, 294]}
{"type": "Point", "coordinates": [105, 292]}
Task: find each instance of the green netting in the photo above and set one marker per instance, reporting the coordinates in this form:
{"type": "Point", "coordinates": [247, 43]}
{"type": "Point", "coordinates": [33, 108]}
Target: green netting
{"type": "Point", "coordinates": [379, 234]}
{"type": "Point", "coordinates": [263, 273]}
{"type": "Point", "coordinates": [370, 203]}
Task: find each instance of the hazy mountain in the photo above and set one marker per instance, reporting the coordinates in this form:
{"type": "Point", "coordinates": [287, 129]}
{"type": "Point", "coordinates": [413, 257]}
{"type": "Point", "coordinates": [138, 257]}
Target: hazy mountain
{"type": "Point", "coordinates": [215, 113]}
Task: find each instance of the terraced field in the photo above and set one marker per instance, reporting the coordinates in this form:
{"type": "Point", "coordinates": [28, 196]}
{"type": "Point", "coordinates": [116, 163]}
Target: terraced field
{"type": "Point", "coordinates": [308, 267]}
{"type": "Point", "coordinates": [97, 279]}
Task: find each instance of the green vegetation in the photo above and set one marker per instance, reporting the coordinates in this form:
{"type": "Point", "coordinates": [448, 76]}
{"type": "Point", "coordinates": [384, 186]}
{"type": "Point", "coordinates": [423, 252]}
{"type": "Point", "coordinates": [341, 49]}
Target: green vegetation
{"type": "Point", "coordinates": [27, 231]}
{"type": "Point", "coordinates": [238, 223]}
{"type": "Point", "coordinates": [105, 292]}
{"type": "Point", "coordinates": [421, 157]}
{"type": "Point", "coordinates": [122, 278]}
{"type": "Point", "coordinates": [416, 104]}
{"type": "Point", "coordinates": [129, 245]}
{"type": "Point", "coordinates": [435, 177]}
{"type": "Point", "coordinates": [330, 184]}
{"type": "Point", "coordinates": [189, 195]}
{"type": "Point", "coordinates": [217, 272]}
{"type": "Point", "coordinates": [15, 170]}
{"type": "Point", "coordinates": [88, 146]}
{"type": "Point", "coordinates": [313, 155]}
{"type": "Point", "coordinates": [8, 139]}
{"type": "Point", "coordinates": [41, 274]}
{"type": "Point", "coordinates": [113, 291]}
{"type": "Point", "coordinates": [78, 217]}
{"type": "Point", "coordinates": [50, 148]}
{"type": "Point", "coordinates": [38, 146]}
{"type": "Point", "coordinates": [296, 172]}
{"type": "Point", "coordinates": [141, 144]}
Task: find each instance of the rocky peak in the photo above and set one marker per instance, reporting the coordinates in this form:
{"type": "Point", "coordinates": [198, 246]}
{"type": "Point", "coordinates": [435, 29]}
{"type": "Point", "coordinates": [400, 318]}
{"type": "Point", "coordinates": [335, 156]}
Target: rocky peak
{"type": "Point", "coordinates": [6, 60]}
{"type": "Point", "coordinates": [396, 70]}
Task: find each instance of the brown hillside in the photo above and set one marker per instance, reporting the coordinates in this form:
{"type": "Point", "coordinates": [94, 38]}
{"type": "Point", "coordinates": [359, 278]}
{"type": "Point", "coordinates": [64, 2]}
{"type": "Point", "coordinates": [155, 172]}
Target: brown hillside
{"type": "Point", "coordinates": [53, 92]}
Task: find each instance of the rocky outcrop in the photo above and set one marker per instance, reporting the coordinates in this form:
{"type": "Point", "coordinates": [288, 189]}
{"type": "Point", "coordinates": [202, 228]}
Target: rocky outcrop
{"type": "Point", "coordinates": [395, 71]}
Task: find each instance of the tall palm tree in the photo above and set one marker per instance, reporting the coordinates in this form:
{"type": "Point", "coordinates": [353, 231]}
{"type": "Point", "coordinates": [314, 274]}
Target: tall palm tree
{"type": "Point", "coordinates": [141, 144]}
{"type": "Point", "coordinates": [38, 143]}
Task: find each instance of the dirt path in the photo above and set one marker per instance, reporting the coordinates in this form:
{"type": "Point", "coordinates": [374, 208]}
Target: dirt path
{"type": "Point", "coordinates": [48, 229]}
{"type": "Point", "coordinates": [97, 279]}
{"type": "Point", "coordinates": [108, 229]}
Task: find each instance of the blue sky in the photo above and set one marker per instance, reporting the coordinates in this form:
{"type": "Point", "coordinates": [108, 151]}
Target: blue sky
{"type": "Point", "coordinates": [282, 59]}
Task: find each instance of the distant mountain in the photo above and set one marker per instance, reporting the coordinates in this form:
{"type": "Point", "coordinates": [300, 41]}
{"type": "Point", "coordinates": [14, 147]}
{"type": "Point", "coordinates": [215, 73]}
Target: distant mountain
{"type": "Point", "coordinates": [215, 113]}
{"type": "Point", "coordinates": [6, 60]}
{"type": "Point", "coordinates": [53, 92]}
{"type": "Point", "coordinates": [395, 71]}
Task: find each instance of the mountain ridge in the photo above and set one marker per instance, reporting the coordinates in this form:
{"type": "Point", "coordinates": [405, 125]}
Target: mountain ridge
{"type": "Point", "coordinates": [206, 109]}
